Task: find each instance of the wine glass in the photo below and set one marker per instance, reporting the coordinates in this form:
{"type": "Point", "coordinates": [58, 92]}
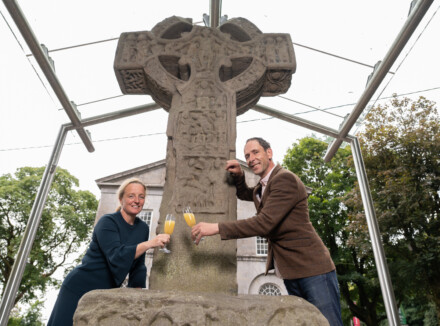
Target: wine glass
{"type": "Point", "coordinates": [170, 221]}
{"type": "Point", "coordinates": [189, 216]}
{"type": "Point", "coordinates": [190, 219]}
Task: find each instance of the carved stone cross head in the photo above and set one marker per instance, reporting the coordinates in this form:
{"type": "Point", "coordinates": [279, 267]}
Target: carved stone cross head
{"type": "Point", "coordinates": [237, 55]}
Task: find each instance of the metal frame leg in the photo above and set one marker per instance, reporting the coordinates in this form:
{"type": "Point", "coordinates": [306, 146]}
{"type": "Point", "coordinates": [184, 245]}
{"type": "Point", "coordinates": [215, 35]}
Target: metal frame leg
{"type": "Point", "coordinates": [376, 243]}
{"type": "Point", "coordinates": [14, 280]}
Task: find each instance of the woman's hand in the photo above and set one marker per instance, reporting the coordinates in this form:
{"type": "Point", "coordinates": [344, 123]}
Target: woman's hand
{"type": "Point", "coordinates": [158, 241]}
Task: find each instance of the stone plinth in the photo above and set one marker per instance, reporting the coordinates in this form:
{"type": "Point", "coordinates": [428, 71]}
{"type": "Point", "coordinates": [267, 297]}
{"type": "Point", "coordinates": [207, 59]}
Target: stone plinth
{"type": "Point", "coordinates": [145, 307]}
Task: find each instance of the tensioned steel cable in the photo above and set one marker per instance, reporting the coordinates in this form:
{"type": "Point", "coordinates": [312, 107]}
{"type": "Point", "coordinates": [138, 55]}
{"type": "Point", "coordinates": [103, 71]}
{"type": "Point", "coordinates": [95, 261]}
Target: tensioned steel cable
{"type": "Point", "coordinates": [244, 121]}
{"type": "Point", "coordinates": [24, 52]}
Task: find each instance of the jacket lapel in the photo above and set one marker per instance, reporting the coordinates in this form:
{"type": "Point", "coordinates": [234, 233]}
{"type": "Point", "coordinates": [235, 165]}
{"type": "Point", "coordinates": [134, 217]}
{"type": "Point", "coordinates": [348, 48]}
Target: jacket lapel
{"type": "Point", "coordinates": [276, 169]}
{"type": "Point", "coordinates": [257, 189]}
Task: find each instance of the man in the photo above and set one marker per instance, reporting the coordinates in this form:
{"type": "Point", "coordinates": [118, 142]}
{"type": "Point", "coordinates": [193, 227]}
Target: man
{"type": "Point", "coordinates": [295, 251]}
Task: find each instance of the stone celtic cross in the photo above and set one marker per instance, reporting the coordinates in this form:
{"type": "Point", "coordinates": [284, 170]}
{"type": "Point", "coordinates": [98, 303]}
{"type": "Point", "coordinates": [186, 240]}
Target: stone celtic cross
{"type": "Point", "coordinates": [204, 77]}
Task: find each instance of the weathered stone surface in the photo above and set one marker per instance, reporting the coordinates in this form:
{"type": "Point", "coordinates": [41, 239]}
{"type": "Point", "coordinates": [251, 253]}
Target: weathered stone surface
{"type": "Point", "coordinates": [119, 307]}
{"type": "Point", "coordinates": [236, 55]}
{"type": "Point", "coordinates": [203, 77]}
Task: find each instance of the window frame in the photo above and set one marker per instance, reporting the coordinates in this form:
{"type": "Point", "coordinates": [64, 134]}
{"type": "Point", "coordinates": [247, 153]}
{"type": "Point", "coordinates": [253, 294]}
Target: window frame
{"type": "Point", "coordinates": [262, 246]}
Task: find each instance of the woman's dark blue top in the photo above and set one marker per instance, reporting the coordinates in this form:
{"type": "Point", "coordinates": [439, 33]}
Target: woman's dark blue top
{"type": "Point", "coordinates": [110, 256]}
{"type": "Point", "coordinates": [108, 260]}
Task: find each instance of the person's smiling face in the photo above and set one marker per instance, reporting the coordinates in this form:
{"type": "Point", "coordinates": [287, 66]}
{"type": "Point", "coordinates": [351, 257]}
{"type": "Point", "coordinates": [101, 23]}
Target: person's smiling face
{"type": "Point", "coordinates": [258, 159]}
{"type": "Point", "coordinates": [133, 199]}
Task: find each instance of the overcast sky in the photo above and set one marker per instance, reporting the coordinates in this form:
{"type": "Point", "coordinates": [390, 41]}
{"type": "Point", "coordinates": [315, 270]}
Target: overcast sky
{"type": "Point", "coordinates": [336, 45]}
{"type": "Point", "coordinates": [353, 35]}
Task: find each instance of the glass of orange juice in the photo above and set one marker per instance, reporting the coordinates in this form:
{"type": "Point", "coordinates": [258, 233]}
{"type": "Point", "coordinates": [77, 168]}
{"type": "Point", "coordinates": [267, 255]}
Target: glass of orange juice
{"type": "Point", "coordinates": [189, 216]}
{"type": "Point", "coordinates": [170, 222]}
{"type": "Point", "coordinates": [190, 219]}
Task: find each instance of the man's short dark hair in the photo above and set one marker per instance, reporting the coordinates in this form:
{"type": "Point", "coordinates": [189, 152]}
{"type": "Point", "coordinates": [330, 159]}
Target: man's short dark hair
{"type": "Point", "coordinates": [260, 141]}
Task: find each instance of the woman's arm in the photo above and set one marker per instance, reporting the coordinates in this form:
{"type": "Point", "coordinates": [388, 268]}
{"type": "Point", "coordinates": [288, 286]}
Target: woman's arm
{"type": "Point", "coordinates": [138, 274]}
{"type": "Point", "coordinates": [158, 241]}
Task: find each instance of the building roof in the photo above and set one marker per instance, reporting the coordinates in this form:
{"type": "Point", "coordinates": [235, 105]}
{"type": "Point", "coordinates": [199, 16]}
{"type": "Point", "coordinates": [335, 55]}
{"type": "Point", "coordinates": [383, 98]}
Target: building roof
{"type": "Point", "coordinates": [114, 179]}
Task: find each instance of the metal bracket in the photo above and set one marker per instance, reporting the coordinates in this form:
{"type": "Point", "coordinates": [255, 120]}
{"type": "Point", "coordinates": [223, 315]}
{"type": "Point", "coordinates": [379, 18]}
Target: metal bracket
{"type": "Point", "coordinates": [46, 53]}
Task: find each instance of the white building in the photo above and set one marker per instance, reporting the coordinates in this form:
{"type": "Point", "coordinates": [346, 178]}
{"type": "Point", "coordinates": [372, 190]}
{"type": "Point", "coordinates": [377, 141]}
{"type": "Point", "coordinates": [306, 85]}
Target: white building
{"type": "Point", "coordinates": [251, 252]}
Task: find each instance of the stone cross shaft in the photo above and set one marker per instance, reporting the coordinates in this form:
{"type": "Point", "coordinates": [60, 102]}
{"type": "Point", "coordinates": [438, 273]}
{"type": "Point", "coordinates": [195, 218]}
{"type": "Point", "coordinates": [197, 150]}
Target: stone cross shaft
{"type": "Point", "coordinates": [204, 78]}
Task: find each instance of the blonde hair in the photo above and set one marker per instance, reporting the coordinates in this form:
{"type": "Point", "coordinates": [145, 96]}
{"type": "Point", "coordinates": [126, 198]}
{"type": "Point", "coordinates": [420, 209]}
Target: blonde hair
{"type": "Point", "coordinates": [124, 185]}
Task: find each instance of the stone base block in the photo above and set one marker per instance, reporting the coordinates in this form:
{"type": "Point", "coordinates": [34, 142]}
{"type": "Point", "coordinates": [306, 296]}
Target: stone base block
{"type": "Point", "coordinates": [165, 308]}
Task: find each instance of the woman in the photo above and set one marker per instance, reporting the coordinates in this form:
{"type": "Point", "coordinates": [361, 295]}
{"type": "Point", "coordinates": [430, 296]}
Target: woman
{"type": "Point", "coordinates": [117, 249]}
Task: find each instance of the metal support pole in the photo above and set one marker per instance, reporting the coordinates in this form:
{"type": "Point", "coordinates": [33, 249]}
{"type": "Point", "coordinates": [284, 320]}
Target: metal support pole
{"type": "Point", "coordinates": [46, 66]}
{"type": "Point", "coordinates": [413, 20]}
{"type": "Point", "coordinates": [214, 13]}
{"type": "Point", "coordinates": [14, 280]}
{"type": "Point", "coordinates": [299, 121]}
{"type": "Point", "coordinates": [376, 243]}
{"type": "Point", "coordinates": [116, 115]}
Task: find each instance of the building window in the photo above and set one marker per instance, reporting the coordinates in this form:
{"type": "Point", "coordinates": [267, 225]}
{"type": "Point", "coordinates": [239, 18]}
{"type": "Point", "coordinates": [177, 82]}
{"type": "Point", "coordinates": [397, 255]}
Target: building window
{"type": "Point", "coordinates": [146, 216]}
{"type": "Point", "coordinates": [269, 289]}
{"type": "Point", "coordinates": [261, 246]}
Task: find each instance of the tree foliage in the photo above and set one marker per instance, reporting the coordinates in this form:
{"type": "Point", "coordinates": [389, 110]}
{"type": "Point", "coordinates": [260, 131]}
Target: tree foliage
{"type": "Point", "coordinates": [31, 317]}
{"type": "Point", "coordinates": [328, 182]}
{"type": "Point", "coordinates": [401, 151]}
{"type": "Point", "coordinates": [66, 222]}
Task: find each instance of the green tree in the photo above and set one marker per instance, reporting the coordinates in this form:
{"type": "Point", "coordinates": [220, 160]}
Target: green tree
{"type": "Point", "coordinates": [31, 317]}
{"type": "Point", "coordinates": [66, 222]}
{"type": "Point", "coordinates": [401, 150]}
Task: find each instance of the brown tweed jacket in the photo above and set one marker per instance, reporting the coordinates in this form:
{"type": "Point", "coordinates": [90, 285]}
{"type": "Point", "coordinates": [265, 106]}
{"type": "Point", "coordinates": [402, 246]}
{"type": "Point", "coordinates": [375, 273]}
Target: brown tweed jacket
{"type": "Point", "coordinates": [283, 219]}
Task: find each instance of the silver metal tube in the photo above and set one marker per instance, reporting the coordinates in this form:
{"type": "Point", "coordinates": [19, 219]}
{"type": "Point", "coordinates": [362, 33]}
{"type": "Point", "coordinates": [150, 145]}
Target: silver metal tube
{"type": "Point", "coordinates": [407, 30]}
{"type": "Point", "coordinates": [46, 67]}
{"type": "Point", "coordinates": [376, 243]}
{"type": "Point", "coordinates": [214, 13]}
{"type": "Point", "coordinates": [14, 280]}
{"type": "Point", "coordinates": [117, 115]}
{"type": "Point", "coordinates": [299, 121]}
